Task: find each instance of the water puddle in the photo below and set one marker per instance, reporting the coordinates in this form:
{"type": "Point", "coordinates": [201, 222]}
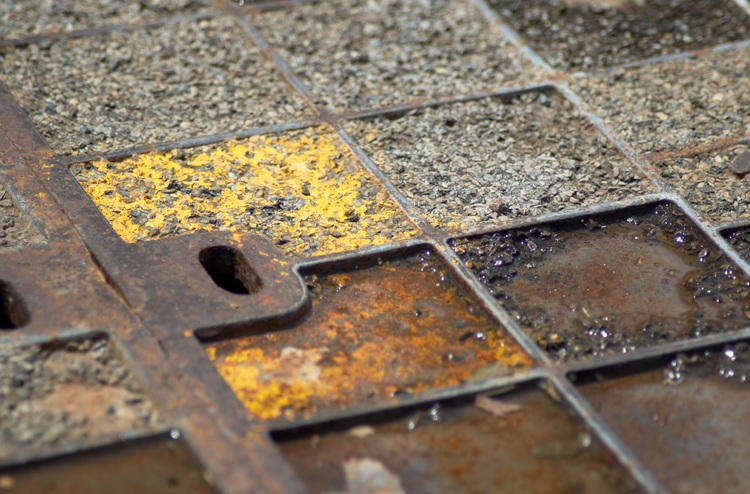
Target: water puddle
{"type": "Point", "coordinates": [739, 238]}
{"type": "Point", "coordinates": [612, 283]}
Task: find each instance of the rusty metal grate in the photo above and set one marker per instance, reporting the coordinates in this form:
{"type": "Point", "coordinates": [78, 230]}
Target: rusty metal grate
{"type": "Point", "coordinates": [382, 246]}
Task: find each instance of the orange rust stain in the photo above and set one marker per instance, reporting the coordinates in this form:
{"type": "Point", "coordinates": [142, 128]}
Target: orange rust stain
{"type": "Point", "coordinates": [398, 328]}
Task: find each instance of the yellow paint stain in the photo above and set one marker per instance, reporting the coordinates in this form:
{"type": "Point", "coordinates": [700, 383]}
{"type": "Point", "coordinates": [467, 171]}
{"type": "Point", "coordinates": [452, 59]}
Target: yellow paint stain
{"type": "Point", "coordinates": [302, 189]}
{"type": "Point", "coordinates": [453, 225]}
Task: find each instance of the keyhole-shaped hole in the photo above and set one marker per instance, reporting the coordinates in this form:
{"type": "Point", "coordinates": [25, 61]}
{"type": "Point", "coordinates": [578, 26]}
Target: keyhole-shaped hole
{"type": "Point", "coordinates": [13, 311]}
{"type": "Point", "coordinates": [229, 270]}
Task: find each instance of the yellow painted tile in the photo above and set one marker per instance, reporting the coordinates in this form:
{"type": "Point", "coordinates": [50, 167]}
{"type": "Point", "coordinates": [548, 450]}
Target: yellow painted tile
{"type": "Point", "coordinates": [303, 189]}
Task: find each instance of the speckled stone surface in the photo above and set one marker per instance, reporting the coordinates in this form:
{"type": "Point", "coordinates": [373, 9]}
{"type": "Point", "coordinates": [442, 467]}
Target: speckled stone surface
{"type": "Point", "coordinates": [20, 19]}
{"type": "Point", "coordinates": [356, 54]}
{"type": "Point", "coordinates": [485, 161]}
{"type": "Point", "coordinates": [675, 104]}
{"type": "Point", "coordinates": [148, 85]}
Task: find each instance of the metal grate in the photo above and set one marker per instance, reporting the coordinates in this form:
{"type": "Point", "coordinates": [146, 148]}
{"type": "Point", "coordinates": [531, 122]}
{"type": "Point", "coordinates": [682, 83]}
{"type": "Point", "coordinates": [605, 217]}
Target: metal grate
{"type": "Point", "coordinates": [374, 246]}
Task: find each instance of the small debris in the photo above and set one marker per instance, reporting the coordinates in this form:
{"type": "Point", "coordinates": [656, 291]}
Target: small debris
{"type": "Point", "coordinates": [566, 448]}
{"type": "Point", "coordinates": [496, 205]}
{"type": "Point", "coordinates": [369, 476]}
{"type": "Point", "coordinates": [496, 407]}
{"type": "Point", "coordinates": [361, 431]}
{"type": "Point", "coordinates": [7, 482]}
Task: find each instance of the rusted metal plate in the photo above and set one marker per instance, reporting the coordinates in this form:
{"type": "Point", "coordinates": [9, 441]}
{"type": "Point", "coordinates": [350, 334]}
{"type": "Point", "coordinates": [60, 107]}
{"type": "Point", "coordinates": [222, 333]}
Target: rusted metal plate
{"type": "Point", "coordinates": [67, 298]}
{"type": "Point", "coordinates": [378, 330]}
{"type": "Point", "coordinates": [331, 190]}
{"type": "Point", "coordinates": [522, 441]}
{"type": "Point", "coordinates": [159, 464]}
{"type": "Point", "coordinates": [685, 416]}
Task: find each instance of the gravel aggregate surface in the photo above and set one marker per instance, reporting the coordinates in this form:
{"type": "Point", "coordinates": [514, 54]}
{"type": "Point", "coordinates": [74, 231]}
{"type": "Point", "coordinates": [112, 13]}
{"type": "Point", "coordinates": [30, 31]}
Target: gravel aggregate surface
{"type": "Point", "coordinates": [15, 229]}
{"type": "Point", "coordinates": [675, 104]}
{"type": "Point", "coordinates": [585, 34]}
{"type": "Point", "coordinates": [71, 393]}
{"type": "Point", "coordinates": [146, 86]}
{"type": "Point", "coordinates": [708, 184]}
{"type": "Point", "coordinates": [358, 54]}
{"type": "Point", "coordinates": [486, 161]}
{"type": "Point", "coordinates": [19, 19]}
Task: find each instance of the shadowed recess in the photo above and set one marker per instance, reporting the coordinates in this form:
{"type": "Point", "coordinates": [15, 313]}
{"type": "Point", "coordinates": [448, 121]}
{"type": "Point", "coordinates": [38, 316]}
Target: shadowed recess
{"type": "Point", "coordinates": [229, 269]}
{"type": "Point", "coordinates": [13, 311]}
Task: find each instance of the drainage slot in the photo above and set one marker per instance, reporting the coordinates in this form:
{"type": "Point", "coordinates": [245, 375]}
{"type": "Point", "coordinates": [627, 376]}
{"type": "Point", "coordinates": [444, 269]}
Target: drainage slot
{"type": "Point", "coordinates": [13, 311]}
{"type": "Point", "coordinates": [229, 270]}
